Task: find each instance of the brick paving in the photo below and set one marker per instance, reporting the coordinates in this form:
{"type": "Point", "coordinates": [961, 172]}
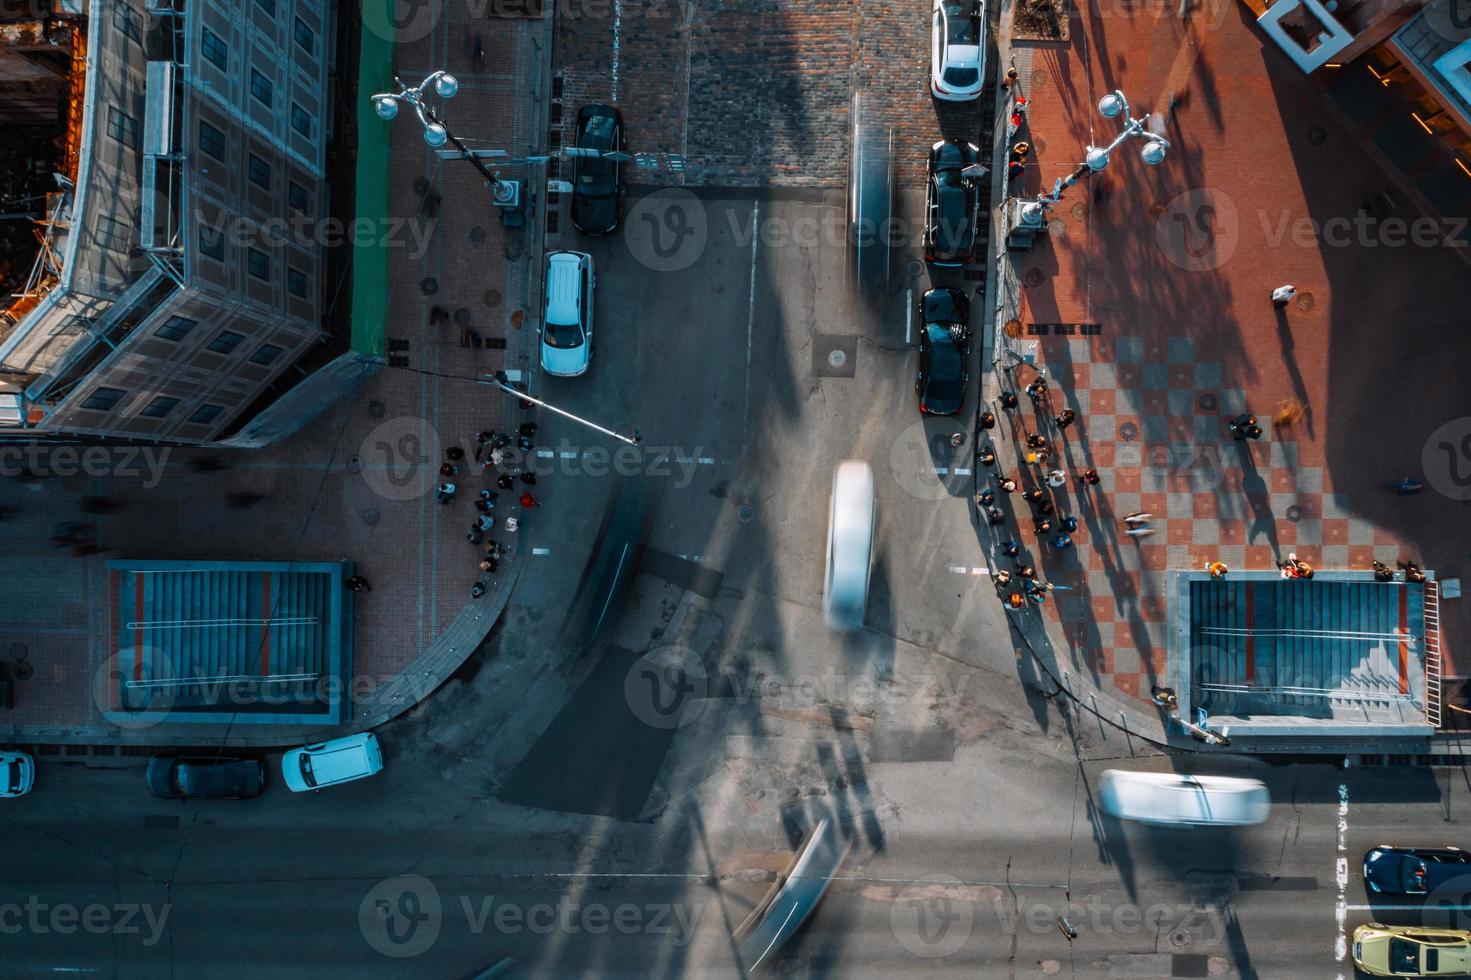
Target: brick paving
{"type": "Point", "coordinates": [355, 483]}
{"type": "Point", "coordinates": [1187, 338]}
{"type": "Point", "coordinates": [759, 93]}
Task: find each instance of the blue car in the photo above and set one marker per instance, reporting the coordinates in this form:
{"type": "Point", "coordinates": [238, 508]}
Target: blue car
{"type": "Point", "coordinates": [1392, 870]}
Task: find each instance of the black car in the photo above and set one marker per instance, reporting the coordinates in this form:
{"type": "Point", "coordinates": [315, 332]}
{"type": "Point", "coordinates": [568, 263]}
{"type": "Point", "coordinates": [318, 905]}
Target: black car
{"type": "Point", "coordinates": [951, 203]}
{"type": "Point", "coordinates": [597, 182]}
{"type": "Point", "coordinates": [944, 352]}
{"type": "Point", "coordinates": [1414, 870]}
{"type": "Point", "coordinates": [223, 778]}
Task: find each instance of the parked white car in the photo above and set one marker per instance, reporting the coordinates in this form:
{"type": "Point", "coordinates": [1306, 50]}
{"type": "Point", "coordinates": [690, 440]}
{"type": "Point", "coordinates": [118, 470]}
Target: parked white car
{"type": "Point", "coordinates": [17, 774]}
{"type": "Point", "coordinates": [850, 522]}
{"type": "Point", "coordinates": [566, 333]}
{"type": "Point", "coordinates": [1175, 799]}
{"type": "Point", "coordinates": [958, 50]}
{"type": "Point", "coordinates": [341, 760]}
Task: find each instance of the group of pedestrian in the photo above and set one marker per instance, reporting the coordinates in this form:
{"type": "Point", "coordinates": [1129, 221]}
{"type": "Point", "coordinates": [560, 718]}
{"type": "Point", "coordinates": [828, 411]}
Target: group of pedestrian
{"type": "Point", "coordinates": [1017, 589]}
{"type": "Point", "coordinates": [1244, 426]}
{"type": "Point", "coordinates": [493, 450]}
{"type": "Point", "coordinates": [1295, 567]}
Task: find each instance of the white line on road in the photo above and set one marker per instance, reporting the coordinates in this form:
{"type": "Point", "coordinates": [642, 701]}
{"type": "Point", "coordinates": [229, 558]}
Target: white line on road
{"type": "Point", "coordinates": [541, 551]}
{"type": "Point", "coordinates": [707, 460]}
{"type": "Point", "coordinates": [617, 38]}
{"type": "Point", "coordinates": [750, 317]}
{"type": "Point", "coordinates": [1340, 872]}
{"type": "Point", "coordinates": [961, 471]}
{"type": "Point", "coordinates": [908, 316]}
{"type": "Point", "coordinates": [545, 453]}
{"type": "Point", "coordinates": [964, 570]}
{"type": "Point", "coordinates": [1437, 907]}
{"type": "Point", "coordinates": [569, 454]}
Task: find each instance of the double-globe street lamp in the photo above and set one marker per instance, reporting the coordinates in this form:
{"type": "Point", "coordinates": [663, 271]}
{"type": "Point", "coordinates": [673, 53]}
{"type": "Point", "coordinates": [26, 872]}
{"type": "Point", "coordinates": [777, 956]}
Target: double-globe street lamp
{"type": "Point", "coordinates": [436, 133]}
{"type": "Point", "coordinates": [1031, 216]}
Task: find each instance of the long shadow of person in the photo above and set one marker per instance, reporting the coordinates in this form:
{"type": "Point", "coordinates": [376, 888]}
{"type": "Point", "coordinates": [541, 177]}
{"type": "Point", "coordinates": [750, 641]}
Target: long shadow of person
{"type": "Point", "coordinates": [1259, 499]}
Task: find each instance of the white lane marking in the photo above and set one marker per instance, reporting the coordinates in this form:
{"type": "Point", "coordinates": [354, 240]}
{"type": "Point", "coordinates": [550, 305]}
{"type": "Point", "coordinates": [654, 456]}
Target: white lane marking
{"type": "Point", "coordinates": [909, 316]}
{"type": "Point", "coordinates": [695, 558]}
{"type": "Point", "coordinates": [545, 453]}
{"type": "Point", "coordinates": [541, 551]}
{"type": "Point", "coordinates": [617, 42]}
{"type": "Point", "coordinates": [569, 454]}
{"type": "Point", "coordinates": [1437, 907]}
{"type": "Point", "coordinates": [961, 471]}
{"type": "Point", "coordinates": [707, 460]}
{"type": "Point", "coordinates": [622, 557]}
{"type": "Point", "coordinates": [964, 570]}
{"type": "Point", "coordinates": [1340, 873]}
{"type": "Point", "coordinates": [942, 470]}
{"type": "Point", "coordinates": [751, 315]}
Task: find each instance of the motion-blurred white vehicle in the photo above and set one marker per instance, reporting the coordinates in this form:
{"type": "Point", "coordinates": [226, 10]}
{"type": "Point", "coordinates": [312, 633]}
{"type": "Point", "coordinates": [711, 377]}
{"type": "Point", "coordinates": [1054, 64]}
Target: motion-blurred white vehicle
{"type": "Point", "coordinates": [849, 545]}
{"type": "Point", "coordinates": [1174, 799]}
{"type": "Point", "coordinates": [17, 774]}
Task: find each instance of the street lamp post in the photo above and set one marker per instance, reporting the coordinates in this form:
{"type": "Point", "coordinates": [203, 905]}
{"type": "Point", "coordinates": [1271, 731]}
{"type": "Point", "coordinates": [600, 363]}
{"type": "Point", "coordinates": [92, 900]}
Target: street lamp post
{"type": "Point", "coordinates": [436, 133]}
{"type": "Point", "coordinates": [1031, 216]}
{"type": "Point", "coordinates": [503, 381]}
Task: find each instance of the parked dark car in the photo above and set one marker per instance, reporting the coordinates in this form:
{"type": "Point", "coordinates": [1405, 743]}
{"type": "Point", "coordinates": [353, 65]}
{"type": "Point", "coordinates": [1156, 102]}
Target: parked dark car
{"type": "Point", "coordinates": [222, 778]}
{"type": "Point", "coordinates": [597, 182]}
{"type": "Point", "coordinates": [1392, 870]}
{"type": "Point", "coordinates": [951, 204]}
{"type": "Point", "coordinates": [944, 352]}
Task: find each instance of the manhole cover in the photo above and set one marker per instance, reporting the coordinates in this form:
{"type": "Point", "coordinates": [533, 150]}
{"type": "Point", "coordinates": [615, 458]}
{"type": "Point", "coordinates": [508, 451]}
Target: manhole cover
{"type": "Point", "coordinates": [745, 513]}
{"type": "Point", "coordinates": [354, 464]}
{"type": "Point", "coordinates": [23, 670]}
{"type": "Point", "coordinates": [1294, 513]}
{"type": "Point", "coordinates": [1207, 401]}
{"type": "Point", "coordinates": [1157, 208]}
{"type": "Point", "coordinates": [1034, 277]}
{"type": "Point", "coordinates": [837, 358]}
{"type": "Point", "coordinates": [462, 317]}
{"type": "Point", "coordinates": [1013, 328]}
{"type": "Point", "coordinates": [1305, 301]}
{"type": "Point", "coordinates": [1317, 135]}
{"type": "Point", "coordinates": [371, 517]}
{"type": "Point", "coordinates": [428, 285]}
{"type": "Point", "coordinates": [1179, 939]}
{"type": "Point", "coordinates": [19, 650]}
{"type": "Point", "coordinates": [1128, 432]}
{"type": "Point", "coordinates": [492, 297]}
{"type": "Point", "coordinates": [477, 235]}
{"type": "Point", "coordinates": [376, 409]}
{"type": "Point", "coordinates": [1056, 228]}
{"type": "Point", "coordinates": [914, 269]}
{"type": "Point", "coordinates": [1039, 78]}
{"type": "Point", "coordinates": [1039, 145]}
{"type": "Point", "coordinates": [834, 356]}
{"type": "Point", "coordinates": [1079, 211]}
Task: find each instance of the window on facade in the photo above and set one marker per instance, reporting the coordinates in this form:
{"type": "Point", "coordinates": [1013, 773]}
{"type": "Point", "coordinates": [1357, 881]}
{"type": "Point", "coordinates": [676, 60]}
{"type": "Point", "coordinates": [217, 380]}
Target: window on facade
{"type": "Point", "coordinates": [227, 341]}
{"type": "Point", "coordinates": [296, 197]}
{"type": "Point", "coordinates": [301, 120]}
{"type": "Point", "coordinates": [212, 243]}
{"type": "Point", "coordinates": [214, 50]}
{"type": "Point", "coordinates": [114, 234]}
{"type": "Point", "coordinates": [261, 88]}
{"type": "Point", "coordinates": [205, 414]}
{"type": "Point", "coordinates": [159, 407]}
{"type": "Point", "coordinates": [176, 328]}
{"type": "Point", "coordinates": [296, 283]}
{"type": "Point", "coordinates": [258, 263]}
{"type": "Point", "coordinates": [211, 140]}
{"type": "Point", "coordinates": [260, 172]}
{"type": "Point", "coordinates": [126, 19]}
{"type": "Point", "coordinates": [306, 38]}
{"type": "Point", "coordinates": [122, 127]}
{"type": "Point", "coordinates": [266, 354]}
{"type": "Point", "coordinates": [269, 6]}
{"type": "Point", "coordinates": [103, 399]}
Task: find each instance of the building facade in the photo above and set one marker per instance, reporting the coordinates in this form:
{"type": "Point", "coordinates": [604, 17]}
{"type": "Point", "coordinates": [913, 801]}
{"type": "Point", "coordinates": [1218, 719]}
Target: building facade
{"type": "Point", "coordinates": [183, 272]}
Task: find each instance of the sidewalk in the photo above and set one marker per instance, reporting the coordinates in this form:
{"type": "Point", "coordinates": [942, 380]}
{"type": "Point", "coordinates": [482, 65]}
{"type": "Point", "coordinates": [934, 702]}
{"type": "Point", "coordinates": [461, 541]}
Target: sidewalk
{"type": "Point", "coordinates": [1147, 308]}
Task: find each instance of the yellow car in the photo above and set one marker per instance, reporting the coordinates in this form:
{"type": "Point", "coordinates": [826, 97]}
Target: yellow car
{"type": "Point", "coordinates": [1407, 951]}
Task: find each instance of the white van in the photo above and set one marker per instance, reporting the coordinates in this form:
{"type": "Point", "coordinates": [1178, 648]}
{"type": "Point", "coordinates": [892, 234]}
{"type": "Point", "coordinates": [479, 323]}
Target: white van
{"type": "Point", "coordinates": [1175, 799]}
{"type": "Point", "coordinates": [328, 763]}
{"type": "Point", "coordinates": [850, 521]}
{"type": "Point", "coordinates": [566, 333]}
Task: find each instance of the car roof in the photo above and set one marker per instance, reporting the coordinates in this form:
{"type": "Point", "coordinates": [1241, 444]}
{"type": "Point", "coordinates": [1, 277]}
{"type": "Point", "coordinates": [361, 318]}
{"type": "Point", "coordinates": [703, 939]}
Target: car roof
{"type": "Point", "coordinates": [564, 287]}
{"type": "Point", "coordinates": [944, 305]}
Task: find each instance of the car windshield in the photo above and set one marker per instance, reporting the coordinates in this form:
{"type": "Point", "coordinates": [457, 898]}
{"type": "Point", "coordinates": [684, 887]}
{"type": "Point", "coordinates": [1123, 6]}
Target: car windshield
{"type": "Point", "coordinates": [1432, 959]}
{"type": "Point", "coordinates": [962, 28]}
{"type": "Point", "coordinates": [564, 336]}
{"type": "Point", "coordinates": [306, 770]}
{"type": "Point", "coordinates": [947, 367]}
{"type": "Point", "coordinates": [961, 77]}
{"type": "Point", "coordinates": [1412, 875]}
{"type": "Point", "coordinates": [11, 781]}
{"type": "Point", "coordinates": [595, 174]}
{"type": "Point", "coordinates": [1404, 956]}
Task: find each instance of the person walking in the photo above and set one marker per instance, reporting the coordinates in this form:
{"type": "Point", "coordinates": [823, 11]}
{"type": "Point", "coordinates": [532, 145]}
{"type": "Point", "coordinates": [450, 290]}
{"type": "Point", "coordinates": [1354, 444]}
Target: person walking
{"type": "Point", "coordinates": [1382, 572]}
{"type": "Point", "coordinates": [1045, 507]}
{"type": "Point", "coordinates": [1043, 526]}
{"type": "Point", "coordinates": [528, 478]}
{"type": "Point", "coordinates": [986, 497]}
{"type": "Point", "coordinates": [1137, 517]}
{"type": "Point", "coordinates": [1217, 569]}
{"type": "Point", "coordinates": [1065, 418]}
{"type": "Point", "coordinates": [475, 534]}
{"type": "Point", "coordinates": [1011, 548]}
{"type": "Point", "coordinates": [1034, 495]}
{"type": "Point", "coordinates": [1037, 389]}
{"type": "Point", "coordinates": [1283, 294]}
{"type": "Point", "coordinates": [487, 521]}
{"type": "Point", "coordinates": [1253, 432]}
{"type": "Point", "coordinates": [1028, 573]}
{"type": "Point", "coordinates": [527, 500]}
{"type": "Point", "coordinates": [1015, 602]}
{"type": "Point", "coordinates": [1090, 477]}
{"type": "Point", "coordinates": [1165, 697]}
{"type": "Point", "coordinates": [505, 481]}
{"type": "Point", "coordinates": [454, 454]}
{"type": "Point", "coordinates": [1240, 424]}
{"type": "Point", "coordinates": [1035, 441]}
{"type": "Point", "coordinates": [1070, 524]}
{"type": "Point", "coordinates": [987, 457]}
{"type": "Point", "coordinates": [988, 421]}
{"type": "Point", "coordinates": [1057, 478]}
{"type": "Point", "coordinates": [527, 429]}
{"type": "Point", "coordinates": [445, 493]}
{"type": "Point", "coordinates": [1037, 457]}
{"type": "Point", "coordinates": [1413, 572]}
{"type": "Point", "coordinates": [1063, 540]}
{"type": "Point", "coordinates": [995, 515]}
{"type": "Point", "coordinates": [512, 525]}
{"type": "Point", "coordinates": [1008, 399]}
{"type": "Point", "coordinates": [1001, 579]}
{"type": "Point", "coordinates": [356, 583]}
{"type": "Point", "coordinates": [1007, 484]}
{"type": "Point", "coordinates": [477, 590]}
